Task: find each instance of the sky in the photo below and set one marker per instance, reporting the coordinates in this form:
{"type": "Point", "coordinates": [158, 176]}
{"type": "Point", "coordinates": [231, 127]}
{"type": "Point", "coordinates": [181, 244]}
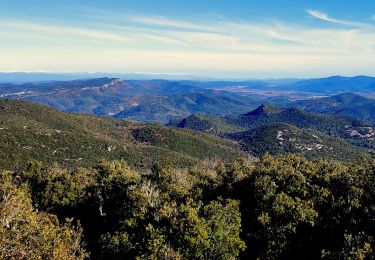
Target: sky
{"type": "Point", "coordinates": [221, 39]}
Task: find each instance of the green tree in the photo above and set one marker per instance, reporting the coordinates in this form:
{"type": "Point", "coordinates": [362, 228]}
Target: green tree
{"type": "Point", "coordinates": [27, 234]}
{"type": "Point", "coordinates": [209, 232]}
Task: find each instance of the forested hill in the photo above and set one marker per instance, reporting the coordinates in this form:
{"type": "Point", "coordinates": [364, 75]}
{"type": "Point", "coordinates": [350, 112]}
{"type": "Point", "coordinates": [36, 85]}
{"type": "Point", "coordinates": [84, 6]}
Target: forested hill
{"type": "Point", "coordinates": [258, 132]}
{"type": "Point", "coordinates": [35, 132]}
{"type": "Point", "coordinates": [282, 138]}
{"type": "Point", "coordinates": [268, 114]}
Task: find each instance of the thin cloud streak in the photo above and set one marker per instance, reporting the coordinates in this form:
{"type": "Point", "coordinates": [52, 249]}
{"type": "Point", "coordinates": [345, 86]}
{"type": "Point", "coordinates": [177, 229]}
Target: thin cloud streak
{"type": "Point", "coordinates": [142, 20]}
{"type": "Point", "coordinates": [325, 17]}
{"type": "Point", "coordinates": [64, 30]}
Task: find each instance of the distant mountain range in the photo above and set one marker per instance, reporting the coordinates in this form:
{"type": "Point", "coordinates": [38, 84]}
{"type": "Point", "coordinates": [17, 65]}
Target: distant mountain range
{"type": "Point", "coordinates": [160, 101]}
{"type": "Point", "coordinates": [138, 100]}
{"type": "Point", "coordinates": [347, 104]}
{"type": "Point", "coordinates": [24, 77]}
{"type": "Point", "coordinates": [335, 84]}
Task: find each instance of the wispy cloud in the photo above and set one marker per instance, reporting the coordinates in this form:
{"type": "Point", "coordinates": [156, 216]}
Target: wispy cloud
{"type": "Point", "coordinates": [325, 17]}
{"type": "Point", "coordinates": [63, 30]}
{"type": "Point", "coordinates": [166, 22]}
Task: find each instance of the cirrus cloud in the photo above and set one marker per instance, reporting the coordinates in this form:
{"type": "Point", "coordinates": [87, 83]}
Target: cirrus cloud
{"type": "Point", "coordinates": [325, 17]}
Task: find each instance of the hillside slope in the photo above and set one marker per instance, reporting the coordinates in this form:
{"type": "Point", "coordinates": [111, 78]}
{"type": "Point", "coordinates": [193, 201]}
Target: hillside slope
{"type": "Point", "coordinates": [209, 124]}
{"type": "Point", "coordinates": [254, 130]}
{"type": "Point", "coordinates": [35, 132]}
{"type": "Point", "coordinates": [283, 138]}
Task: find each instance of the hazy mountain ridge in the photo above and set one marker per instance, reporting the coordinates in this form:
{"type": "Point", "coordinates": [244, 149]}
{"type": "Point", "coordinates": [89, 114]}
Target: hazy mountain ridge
{"type": "Point", "coordinates": [336, 84]}
{"type": "Point", "coordinates": [347, 104]}
{"type": "Point", "coordinates": [160, 100]}
{"type": "Point", "coordinates": [138, 100]}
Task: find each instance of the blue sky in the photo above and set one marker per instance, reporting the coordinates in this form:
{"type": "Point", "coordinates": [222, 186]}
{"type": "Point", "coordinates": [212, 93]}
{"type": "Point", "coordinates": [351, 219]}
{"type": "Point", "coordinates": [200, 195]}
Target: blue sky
{"type": "Point", "coordinates": [227, 39]}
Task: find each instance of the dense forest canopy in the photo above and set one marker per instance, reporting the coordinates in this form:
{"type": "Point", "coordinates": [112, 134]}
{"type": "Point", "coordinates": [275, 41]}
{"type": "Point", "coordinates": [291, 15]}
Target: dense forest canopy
{"type": "Point", "coordinates": [277, 207]}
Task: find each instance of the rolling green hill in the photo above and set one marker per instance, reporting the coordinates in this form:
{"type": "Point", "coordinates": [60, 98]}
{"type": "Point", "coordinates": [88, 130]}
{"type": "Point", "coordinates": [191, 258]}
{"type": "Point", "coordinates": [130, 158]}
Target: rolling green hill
{"type": "Point", "coordinates": [35, 132]}
{"type": "Point", "coordinates": [210, 124]}
{"type": "Point", "coordinates": [267, 114]}
{"type": "Point", "coordinates": [253, 131]}
{"type": "Point", "coordinates": [284, 138]}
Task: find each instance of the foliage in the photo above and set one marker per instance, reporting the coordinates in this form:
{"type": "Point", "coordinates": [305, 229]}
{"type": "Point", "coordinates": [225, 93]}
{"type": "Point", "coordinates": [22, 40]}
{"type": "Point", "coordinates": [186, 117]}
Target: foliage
{"type": "Point", "coordinates": [296, 207]}
{"type": "Point", "coordinates": [28, 234]}
{"type": "Point", "coordinates": [274, 208]}
{"type": "Point", "coordinates": [209, 232]}
{"type": "Point", "coordinates": [54, 187]}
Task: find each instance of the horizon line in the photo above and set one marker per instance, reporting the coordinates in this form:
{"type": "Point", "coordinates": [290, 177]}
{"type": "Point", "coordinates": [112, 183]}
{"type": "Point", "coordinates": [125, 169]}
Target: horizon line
{"type": "Point", "coordinates": [169, 76]}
